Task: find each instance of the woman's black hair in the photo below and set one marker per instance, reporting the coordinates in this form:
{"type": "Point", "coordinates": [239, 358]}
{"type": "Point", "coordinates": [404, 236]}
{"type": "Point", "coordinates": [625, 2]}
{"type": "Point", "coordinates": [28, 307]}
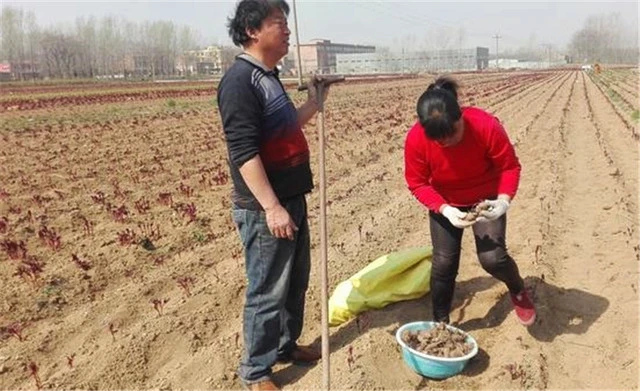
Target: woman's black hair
{"type": "Point", "coordinates": [438, 108]}
{"type": "Point", "coordinates": [249, 15]}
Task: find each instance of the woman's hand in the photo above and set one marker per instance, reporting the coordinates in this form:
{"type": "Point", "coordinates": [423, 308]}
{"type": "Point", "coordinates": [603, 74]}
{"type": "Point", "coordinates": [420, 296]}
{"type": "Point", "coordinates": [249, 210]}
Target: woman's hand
{"type": "Point", "coordinates": [456, 216]}
{"type": "Point", "coordinates": [496, 209]}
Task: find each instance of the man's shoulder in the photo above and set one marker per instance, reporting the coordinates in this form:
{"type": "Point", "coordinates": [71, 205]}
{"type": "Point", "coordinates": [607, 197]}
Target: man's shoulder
{"type": "Point", "coordinates": [240, 72]}
{"type": "Point", "coordinates": [236, 69]}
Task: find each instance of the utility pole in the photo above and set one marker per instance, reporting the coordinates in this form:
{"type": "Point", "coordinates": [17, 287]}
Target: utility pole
{"type": "Point", "coordinates": [295, 23]}
{"type": "Point", "coordinates": [547, 49]}
{"type": "Point", "coordinates": [497, 37]}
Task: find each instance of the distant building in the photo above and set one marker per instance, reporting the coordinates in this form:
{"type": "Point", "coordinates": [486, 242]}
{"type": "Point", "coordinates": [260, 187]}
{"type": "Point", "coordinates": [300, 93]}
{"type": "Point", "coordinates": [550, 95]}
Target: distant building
{"type": "Point", "coordinates": [513, 63]}
{"type": "Point", "coordinates": [207, 61]}
{"type": "Point", "coordinates": [5, 71]}
{"type": "Point", "coordinates": [319, 55]}
{"type": "Point", "coordinates": [25, 70]}
{"type": "Point", "coordinates": [410, 62]}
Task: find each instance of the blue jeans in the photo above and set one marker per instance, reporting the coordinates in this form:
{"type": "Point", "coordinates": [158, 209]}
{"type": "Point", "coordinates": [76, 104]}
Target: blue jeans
{"type": "Point", "coordinates": [278, 276]}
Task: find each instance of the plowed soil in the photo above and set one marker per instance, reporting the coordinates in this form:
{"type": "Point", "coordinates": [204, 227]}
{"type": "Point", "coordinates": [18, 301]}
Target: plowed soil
{"type": "Point", "coordinates": [165, 313]}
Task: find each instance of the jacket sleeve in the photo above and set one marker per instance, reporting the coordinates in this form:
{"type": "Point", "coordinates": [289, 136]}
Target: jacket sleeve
{"type": "Point", "coordinates": [418, 174]}
{"type": "Point", "coordinates": [241, 111]}
{"type": "Point", "coordinates": [503, 155]}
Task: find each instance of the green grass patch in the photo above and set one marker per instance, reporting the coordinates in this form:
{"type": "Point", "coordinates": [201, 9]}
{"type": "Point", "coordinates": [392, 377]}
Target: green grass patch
{"type": "Point", "coordinates": [615, 97]}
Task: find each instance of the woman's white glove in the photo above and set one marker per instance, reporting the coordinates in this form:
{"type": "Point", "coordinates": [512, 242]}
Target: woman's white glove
{"type": "Point", "coordinates": [456, 217]}
{"type": "Point", "coordinates": [496, 209]}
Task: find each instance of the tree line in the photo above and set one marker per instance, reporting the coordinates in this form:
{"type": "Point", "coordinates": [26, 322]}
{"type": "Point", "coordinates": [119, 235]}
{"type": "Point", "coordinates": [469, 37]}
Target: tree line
{"type": "Point", "coordinates": [605, 39]}
{"type": "Point", "coordinates": [94, 47]}
{"type": "Point", "coordinates": [115, 47]}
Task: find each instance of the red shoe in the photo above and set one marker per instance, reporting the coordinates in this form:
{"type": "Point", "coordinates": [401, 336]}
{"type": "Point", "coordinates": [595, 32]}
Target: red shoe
{"type": "Point", "coordinates": [525, 310]}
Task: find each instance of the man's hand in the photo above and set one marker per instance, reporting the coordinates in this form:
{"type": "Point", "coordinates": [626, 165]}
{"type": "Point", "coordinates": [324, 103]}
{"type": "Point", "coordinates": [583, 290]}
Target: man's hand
{"type": "Point", "coordinates": [456, 217]}
{"type": "Point", "coordinates": [496, 209]}
{"type": "Point", "coordinates": [312, 90]}
{"type": "Point", "coordinates": [280, 223]}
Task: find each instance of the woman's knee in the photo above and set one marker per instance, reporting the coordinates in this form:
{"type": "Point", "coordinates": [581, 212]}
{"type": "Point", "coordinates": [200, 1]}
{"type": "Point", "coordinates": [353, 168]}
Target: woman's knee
{"type": "Point", "coordinates": [444, 265]}
{"type": "Point", "coordinates": [494, 259]}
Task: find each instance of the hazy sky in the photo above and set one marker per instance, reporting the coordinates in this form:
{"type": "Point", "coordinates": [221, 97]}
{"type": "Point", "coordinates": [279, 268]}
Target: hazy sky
{"type": "Point", "coordinates": [383, 23]}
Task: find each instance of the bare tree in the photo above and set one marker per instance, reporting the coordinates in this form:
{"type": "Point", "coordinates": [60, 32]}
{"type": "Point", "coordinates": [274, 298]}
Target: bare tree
{"type": "Point", "coordinates": [87, 57]}
{"type": "Point", "coordinates": [605, 38]}
{"type": "Point", "coordinates": [12, 30]}
{"type": "Point", "coordinates": [60, 54]}
{"type": "Point", "coordinates": [109, 46]}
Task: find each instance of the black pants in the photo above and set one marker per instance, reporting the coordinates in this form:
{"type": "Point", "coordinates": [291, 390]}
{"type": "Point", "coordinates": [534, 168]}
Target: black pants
{"type": "Point", "coordinates": [492, 254]}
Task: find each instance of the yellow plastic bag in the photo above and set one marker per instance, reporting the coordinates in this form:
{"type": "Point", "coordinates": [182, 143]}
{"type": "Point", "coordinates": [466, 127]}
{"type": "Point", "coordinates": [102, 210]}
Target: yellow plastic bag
{"type": "Point", "coordinates": [401, 275]}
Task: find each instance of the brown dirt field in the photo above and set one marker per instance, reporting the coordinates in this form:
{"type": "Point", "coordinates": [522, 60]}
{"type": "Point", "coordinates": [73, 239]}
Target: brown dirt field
{"type": "Point", "coordinates": [573, 231]}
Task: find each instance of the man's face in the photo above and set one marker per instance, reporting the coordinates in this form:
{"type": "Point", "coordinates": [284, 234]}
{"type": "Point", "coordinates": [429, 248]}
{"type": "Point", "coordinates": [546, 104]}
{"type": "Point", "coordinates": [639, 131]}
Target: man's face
{"type": "Point", "coordinates": [273, 36]}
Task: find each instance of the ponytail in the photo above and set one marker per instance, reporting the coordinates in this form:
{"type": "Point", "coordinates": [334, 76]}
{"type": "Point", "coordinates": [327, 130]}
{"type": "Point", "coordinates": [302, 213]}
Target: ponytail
{"type": "Point", "coordinates": [438, 108]}
{"type": "Point", "coordinates": [446, 83]}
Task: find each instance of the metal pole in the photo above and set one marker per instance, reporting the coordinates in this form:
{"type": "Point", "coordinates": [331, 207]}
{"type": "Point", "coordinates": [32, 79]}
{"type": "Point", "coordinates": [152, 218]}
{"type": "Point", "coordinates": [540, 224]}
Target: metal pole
{"type": "Point", "coordinates": [295, 23]}
{"type": "Point", "coordinates": [320, 84]}
{"type": "Point", "coordinates": [497, 37]}
{"type": "Point", "coordinates": [323, 244]}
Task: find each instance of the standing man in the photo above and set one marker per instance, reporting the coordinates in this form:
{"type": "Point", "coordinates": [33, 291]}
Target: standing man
{"type": "Point", "coordinates": [269, 164]}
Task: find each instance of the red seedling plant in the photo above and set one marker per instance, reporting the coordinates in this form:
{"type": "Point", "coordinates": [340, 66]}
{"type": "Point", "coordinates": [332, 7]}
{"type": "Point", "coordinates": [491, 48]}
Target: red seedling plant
{"type": "Point", "coordinates": [159, 261]}
{"type": "Point", "coordinates": [49, 237]}
{"type": "Point", "coordinates": [4, 225]}
{"type": "Point", "coordinates": [32, 367]}
{"type": "Point", "coordinates": [117, 191]}
{"type": "Point", "coordinates": [15, 250]}
{"type": "Point", "coordinates": [165, 199]}
{"type": "Point", "coordinates": [142, 206]}
{"type": "Point", "coordinates": [15, 330]}
{"type": "Point", "coordinates": [350, 359]}
{"type": "Point", "coordinates": [98, 197]}
{"type": "Point", "coordinates": [30, 269]}
{"type": "Point", "coordinates": [158, 305]}
{"type": "Point", "coordinates": [186, 283]}
{"type": "Point", "coordinates": [189, 211]}
{"type": "Point", "coordinates": [87, 226]}
{"type": "Point", "coordinates": [185, 190]}
{"type": "Point", "coordinates": [70, 360]}
{"type": "Point", "coordinates": [220, 177]}
{"type": "Point", "coordinates": [149, 230]}
{"type": "Point", "coordinates": [126, 237]}
{"type": "Point", "coordinates": [82, 264]}
{"type": "Point", "coordinates": [113, 331]}
{"type": "Point", "coordinates": [120, 214]}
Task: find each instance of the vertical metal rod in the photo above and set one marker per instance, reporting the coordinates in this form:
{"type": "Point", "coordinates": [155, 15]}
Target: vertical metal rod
{"type": "Point", "coordinates": [324, 279]}
{"type": "Point", "coordinates": [295, 23]}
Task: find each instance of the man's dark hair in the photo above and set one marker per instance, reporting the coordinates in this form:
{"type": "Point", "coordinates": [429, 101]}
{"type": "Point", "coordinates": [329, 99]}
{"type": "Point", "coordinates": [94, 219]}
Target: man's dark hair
{"type": "Point", "coordinates": [249, 15]}
{"type": "Point", "coordinates": [438, 108]}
